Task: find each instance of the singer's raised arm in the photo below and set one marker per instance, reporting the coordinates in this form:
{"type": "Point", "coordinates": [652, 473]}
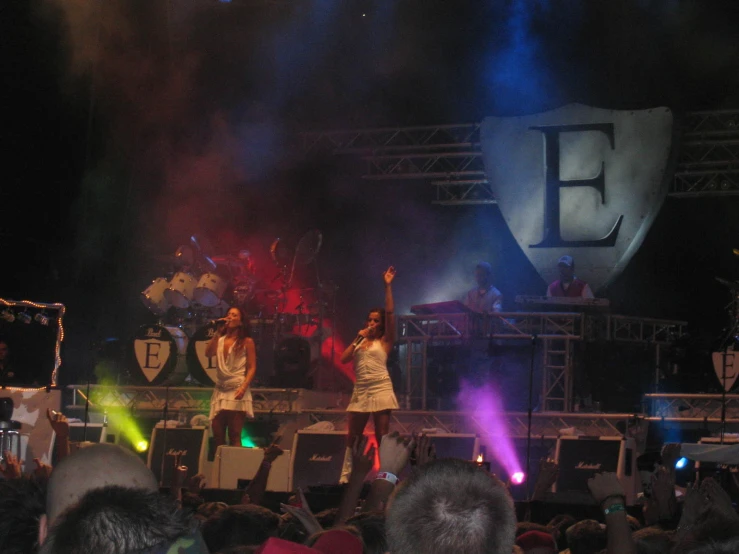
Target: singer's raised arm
{"type": "Point", "coordinates": [388, 338]}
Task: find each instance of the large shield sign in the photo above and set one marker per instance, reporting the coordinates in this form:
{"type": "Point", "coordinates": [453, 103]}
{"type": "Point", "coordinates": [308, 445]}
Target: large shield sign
{"type": "Point", "coordinates": [581, 181]}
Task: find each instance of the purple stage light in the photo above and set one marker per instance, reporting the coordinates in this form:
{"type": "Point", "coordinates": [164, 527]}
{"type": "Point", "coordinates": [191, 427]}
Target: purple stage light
{"type": "Point", "coordinates": [484, 401]}
{"type": "Point", "coordinates": [518, 478]}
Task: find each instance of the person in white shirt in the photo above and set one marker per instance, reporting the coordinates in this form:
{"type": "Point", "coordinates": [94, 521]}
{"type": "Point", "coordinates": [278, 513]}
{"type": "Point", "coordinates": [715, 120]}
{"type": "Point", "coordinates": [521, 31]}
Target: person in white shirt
{"type": "Point", "coordinates": [484, 298]}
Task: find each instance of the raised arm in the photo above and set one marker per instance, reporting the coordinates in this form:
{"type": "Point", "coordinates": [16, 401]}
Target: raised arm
{"type": "Point", "coordinates": [389, 337]}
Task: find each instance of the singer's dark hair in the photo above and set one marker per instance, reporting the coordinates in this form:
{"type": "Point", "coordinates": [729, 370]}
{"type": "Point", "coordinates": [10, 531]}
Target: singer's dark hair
{"type": "Point", "coordinates": [380, 311]}
{"type": "Point", "coordinates": [242, 333]}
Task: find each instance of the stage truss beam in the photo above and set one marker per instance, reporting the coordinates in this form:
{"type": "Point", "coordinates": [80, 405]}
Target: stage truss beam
{"type": "Point", "coordinates": [450, 159]}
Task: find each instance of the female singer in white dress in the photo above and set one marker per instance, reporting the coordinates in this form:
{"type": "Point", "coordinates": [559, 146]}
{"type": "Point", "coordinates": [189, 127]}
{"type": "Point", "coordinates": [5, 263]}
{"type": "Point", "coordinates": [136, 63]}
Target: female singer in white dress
{"type": "Point", "coordinates": [373, 390]}
{"type": "Point", "coordinates": [231, 402]}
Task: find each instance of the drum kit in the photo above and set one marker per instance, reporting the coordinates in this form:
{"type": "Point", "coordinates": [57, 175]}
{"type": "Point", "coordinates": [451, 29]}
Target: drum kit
{"type": "Point", "coordinates": [284, 320]}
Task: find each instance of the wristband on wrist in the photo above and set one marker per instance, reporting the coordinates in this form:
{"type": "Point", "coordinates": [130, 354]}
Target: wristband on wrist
{"type": "Point", "coordinates": [387, 476]}
{"type": "Point", "coordinates": [614, 508]}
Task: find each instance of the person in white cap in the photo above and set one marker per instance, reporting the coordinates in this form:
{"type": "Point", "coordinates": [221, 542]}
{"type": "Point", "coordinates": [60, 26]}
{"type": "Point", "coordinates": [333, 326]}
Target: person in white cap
{"type": "Point", "coordinates": [568, 285]}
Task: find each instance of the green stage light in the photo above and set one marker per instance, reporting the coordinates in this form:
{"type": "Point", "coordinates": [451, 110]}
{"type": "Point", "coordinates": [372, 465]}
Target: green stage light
{"type": "Point", "coordinates": [246, 440]}
{"type": "Point", "coordinates": [142, 446]}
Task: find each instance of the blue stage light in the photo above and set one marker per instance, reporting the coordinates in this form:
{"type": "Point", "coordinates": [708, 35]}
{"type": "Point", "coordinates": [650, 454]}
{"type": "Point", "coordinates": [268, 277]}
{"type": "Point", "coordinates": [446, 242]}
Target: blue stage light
{"type": "Point", "coordinates": [681, 463]}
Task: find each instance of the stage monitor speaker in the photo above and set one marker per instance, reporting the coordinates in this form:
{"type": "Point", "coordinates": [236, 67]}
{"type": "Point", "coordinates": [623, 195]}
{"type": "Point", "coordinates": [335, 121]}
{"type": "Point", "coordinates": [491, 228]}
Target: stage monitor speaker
{"type": "Point", "coordinates": [190, 443]}
{"type": "Point", "coordinates": [580, 458]}
{"type": "Point", "coordinates": [318, 457]}
{"type": "Point", "coordinates": [234, 463]}
{"type": "Point", "coordinates": [455, 445]}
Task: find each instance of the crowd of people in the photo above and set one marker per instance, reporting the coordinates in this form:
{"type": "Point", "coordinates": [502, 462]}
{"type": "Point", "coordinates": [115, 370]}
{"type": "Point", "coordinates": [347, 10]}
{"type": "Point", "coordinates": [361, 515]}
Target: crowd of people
{"type": "Point", "coordinates": [102, 498]}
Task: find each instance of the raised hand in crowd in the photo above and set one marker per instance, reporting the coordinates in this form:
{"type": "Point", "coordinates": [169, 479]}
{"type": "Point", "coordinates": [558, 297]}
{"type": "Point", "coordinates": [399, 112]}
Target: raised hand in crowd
{"type": "Point", "coordinates": [303, 513]}
{"type": "Point", "coordinates": [424, 452]}
{"type": "Point", "coordinates": [663, 493]}
{"type": "Point", "coordinates": [363, 460]}
{"type": "Point", "coordinates": [196, 483]}
{"type": "Point", "coordinates": [670, 455]}
{"type": "Point", "coordinates": [548, 473]}
{"type": "Point", "coordinates": [42, 470]}
{"type": "Point", "coordinates": [695, 505]}
{"type": "Point", "coordinates": [273, 451]}
{"type": "Point", "coordinates": [609, 494]}
{"type": "Point", "coordinates": [11, 469]}
{"type": "Point", "coordinates": [718, 499]}
{"type": "Point", "coordinates": [395, 451]}
{"type": "Point", "coordinates": [60, 426]}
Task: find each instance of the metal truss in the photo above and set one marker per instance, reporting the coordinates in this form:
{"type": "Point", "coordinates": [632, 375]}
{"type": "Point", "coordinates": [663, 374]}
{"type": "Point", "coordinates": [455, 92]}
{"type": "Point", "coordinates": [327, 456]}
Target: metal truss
{"type": "Point", "coordinates": [693, 406]}
{"type": "Point", "coordinates": [708, 164]}
{"type": "Point", "coordinates": [449, 156]}
{"type": "Point", "coordinates": [644, 330]}
{"type": "Point", "coordinates": [457, 192]}
{"type": "Point", "coordinates": [191, 399]}
{"type": "Point", "coordinates": [366, 141]}
{"type": "Point", "coordinates": [543, 425]}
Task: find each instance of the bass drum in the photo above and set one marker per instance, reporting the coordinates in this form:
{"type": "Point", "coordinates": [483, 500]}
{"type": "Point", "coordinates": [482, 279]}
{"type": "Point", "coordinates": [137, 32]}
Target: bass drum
{"type": "Point", "coordinates": [158, 355]}
{"type": "Point", "coordinates": [202, 368]}
{"type": "Point", "coordinates": [153, 297]}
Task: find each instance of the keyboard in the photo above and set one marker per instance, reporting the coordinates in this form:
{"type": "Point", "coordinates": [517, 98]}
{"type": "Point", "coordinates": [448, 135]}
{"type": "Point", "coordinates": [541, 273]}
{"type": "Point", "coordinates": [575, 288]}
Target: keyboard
{"type": "Point", "coordinates": [563, 302]}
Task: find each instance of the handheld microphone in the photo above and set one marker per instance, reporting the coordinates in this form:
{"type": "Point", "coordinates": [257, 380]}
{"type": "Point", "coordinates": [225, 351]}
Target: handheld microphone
{"type": "Point", "coordinates": [217, 321]}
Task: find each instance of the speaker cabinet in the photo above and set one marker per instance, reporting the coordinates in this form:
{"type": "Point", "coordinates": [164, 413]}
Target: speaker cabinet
{"type": "Point", "coordinates": [234, 463]}
{"type": "Point", "coordinates": [318, 457]}
{"type": "Point", "coordinates": [190, 443]}
{"type": "Point", "coordinates": [581, 458]}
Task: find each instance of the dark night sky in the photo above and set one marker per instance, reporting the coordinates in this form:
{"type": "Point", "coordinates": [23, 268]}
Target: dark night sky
{"type": "Point", "coordinates": [192, 100]}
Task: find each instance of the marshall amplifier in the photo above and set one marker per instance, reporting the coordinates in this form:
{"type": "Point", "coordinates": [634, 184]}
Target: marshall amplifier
{"type": "Point", "coordinates": [234, 463]}
{"type": "Point", "coordinates": [580, 458]}
{"type": "Point", "coordinates": [190, 443]}
{"type": "Point", "coordinates": [318, 457]}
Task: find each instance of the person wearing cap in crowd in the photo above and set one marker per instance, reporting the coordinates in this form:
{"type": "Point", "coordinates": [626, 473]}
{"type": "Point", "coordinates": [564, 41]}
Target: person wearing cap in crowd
{"type": "Point", "coordinates": [568, 285]}
{"type": "Point", "coordinates": [484, 298]}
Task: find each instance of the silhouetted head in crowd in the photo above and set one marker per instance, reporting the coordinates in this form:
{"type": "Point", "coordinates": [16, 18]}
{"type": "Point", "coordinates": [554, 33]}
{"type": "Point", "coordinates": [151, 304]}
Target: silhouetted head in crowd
{"type": "Point", "coordinates": [371, 526]}
{"type": "Point", "coordinates": [586, 536]}
{"type": "Point", "coordinates": [558, 526]}
{"type": "Point", "coordinates": [727, 546]}
{"type": "Point", "coordinates": [451, 506]}
{"type": "Point", "coordinates": [21, 506]}
{"type": "Point", "coordinates": [92, 467]}
{"type": "Point", "coordinates": [652, 540]}
{"type": "Point", "coordinates": [241, 525]}
{"type": "Point", "coordinates": [117, 520]}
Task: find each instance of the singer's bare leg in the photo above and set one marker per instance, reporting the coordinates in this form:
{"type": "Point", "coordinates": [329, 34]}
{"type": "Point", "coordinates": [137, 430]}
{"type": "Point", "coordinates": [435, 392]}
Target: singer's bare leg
{"type": "Point", "coordinates": [382, 424]}
{"type": "Point", "coordinates": [236, 421]}
{"type": "Point", "coordinates": [357, 421]}
{"type": "Point", "coordinates": [219, 430]}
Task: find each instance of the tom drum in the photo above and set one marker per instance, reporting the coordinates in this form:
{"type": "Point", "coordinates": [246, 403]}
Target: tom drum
{"type": "Point", "coordinates": [153, 296]}
{"type": "Point", "coordinates": [181, 290]}
{"type": "Point", "coordinates": [209, 290]}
